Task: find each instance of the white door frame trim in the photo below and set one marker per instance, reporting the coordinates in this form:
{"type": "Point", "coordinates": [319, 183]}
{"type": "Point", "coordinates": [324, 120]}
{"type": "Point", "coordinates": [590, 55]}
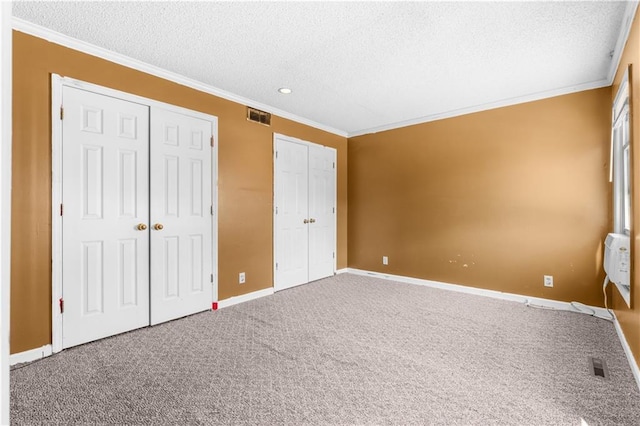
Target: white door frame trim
{"type": "Point", "coordinates": [277, 136]}
{"type": "Point", "coordinates": [56, 221]}
{"type": "Point", "coordinates": [5, 202]}
{"type": "Point", "coordinates": [57, 83]}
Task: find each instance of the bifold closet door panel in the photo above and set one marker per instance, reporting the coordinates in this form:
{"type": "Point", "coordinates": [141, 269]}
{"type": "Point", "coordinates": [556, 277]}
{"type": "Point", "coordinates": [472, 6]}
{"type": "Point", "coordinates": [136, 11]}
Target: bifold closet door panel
{"type": "Point", "coordinates": [322, 195]}
{"type": "Point", "coordinates": [105, 184]}
{"type": "Point", "coordinates": [181, 220]}
{"type": "Point", "coordinates": [292, 215]}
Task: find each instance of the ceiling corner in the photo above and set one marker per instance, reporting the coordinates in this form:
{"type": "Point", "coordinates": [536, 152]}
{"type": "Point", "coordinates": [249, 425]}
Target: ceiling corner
{"type": "Point", "coordinates": [625, 29]}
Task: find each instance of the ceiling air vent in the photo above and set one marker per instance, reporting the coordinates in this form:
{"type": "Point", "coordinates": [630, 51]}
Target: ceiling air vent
{"type": "Point", "coordinates": [258, 116]}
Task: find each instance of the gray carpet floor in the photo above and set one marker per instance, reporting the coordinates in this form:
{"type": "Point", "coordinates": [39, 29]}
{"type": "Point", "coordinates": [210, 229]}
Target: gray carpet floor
{"type": "Point", "coordinates": [343, 350]}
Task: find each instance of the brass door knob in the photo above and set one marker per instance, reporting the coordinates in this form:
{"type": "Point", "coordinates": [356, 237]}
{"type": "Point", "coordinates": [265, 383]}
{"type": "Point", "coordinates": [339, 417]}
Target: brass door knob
{"type": "Point", "coordinates": [312, 220]}
{"type": "Point", "coordinates": [158, 227]}
{"type": "Point", "coordinates": [142, 227]}
{"type": "Point", "coordinates": [305, 221]}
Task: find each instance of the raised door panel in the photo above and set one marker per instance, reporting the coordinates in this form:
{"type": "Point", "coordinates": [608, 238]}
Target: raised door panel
{"type": "Point", "coordinates": [292, 214]}
{"type": "Point", "coordinates": [105, 266]}
{"type": "Point", "coordinates": [181, 221]}
{"type": "Point", "coordinates": [322, 232]}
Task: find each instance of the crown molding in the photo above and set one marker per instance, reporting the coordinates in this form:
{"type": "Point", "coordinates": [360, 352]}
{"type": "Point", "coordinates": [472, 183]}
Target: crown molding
{"type": "Point", "coordinates": [484, 107]}
{"type": "Point", "coordinates": [625, 29]}
{"type": "Point", "coordinates": [91, 49]}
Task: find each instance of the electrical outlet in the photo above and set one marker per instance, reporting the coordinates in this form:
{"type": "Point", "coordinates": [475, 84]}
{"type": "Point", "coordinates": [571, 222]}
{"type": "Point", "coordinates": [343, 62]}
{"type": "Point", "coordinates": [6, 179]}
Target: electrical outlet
{"type": "Point", "coordinates": [548, 280]}
{"type": "Point", "coordinates": [241, 278]}
{"type": "Point", "coordinates": [385, 260]}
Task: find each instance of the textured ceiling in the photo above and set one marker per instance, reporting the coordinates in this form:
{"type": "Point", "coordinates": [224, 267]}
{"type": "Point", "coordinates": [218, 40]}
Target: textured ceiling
{"type": "Point", "coordinates": [358, 67]}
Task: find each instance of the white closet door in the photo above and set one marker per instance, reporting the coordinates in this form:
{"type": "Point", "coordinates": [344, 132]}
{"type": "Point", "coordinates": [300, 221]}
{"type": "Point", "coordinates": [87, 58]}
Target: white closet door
{"type": "Point", "coordinates": [322, 192]}
{"type": "Point", "coordinates": [181, 221]}
{"type": "Point", "coordinates": [292, 215]}
{"type": "Point", "coordinates": [105, 266]}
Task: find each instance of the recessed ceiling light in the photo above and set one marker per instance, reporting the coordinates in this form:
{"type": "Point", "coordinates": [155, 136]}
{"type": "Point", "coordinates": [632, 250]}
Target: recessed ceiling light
{"type": "Point", "coordinates": [284, 90]}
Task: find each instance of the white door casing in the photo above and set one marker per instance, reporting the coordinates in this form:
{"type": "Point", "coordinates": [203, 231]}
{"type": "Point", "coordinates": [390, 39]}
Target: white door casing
{"type": "Point", "coordinates": [181, 204]}
{"type": "Point", "coordinates": [305, 212]}
{"type": "Point", "coordinates": [6, 35]}
{"type": "Point", "coordinates": [105, 176]}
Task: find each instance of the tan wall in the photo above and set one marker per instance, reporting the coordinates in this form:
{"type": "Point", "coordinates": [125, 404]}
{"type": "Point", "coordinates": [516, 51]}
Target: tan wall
{"type": "Point", "coordinates": [630, 318]}
{"type": "Point", "coordinates": [494, 200]}
{"type": "Point", "coordinates": [245, 179]}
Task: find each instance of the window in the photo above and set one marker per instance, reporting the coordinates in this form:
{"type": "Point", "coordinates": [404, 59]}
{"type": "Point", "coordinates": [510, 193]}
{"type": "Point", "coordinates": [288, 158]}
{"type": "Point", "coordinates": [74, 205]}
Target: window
{"type": "Point", "coordinates": [621, 162]}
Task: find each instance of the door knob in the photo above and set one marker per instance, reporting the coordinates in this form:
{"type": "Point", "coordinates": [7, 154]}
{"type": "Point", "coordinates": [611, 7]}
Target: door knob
{"type": "Point", "coordinates": [142, 227]}
{"type": "Point", "coordinates": [312, 220]}
{"type": "Point", "coordinates": [158, 227]}
{"type": "Point", "coordinates": [305, 221]}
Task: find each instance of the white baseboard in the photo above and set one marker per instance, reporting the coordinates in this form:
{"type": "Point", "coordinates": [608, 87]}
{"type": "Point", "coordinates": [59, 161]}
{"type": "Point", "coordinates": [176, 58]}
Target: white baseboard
{"type": "Point", "coordinates": [47, 350]}
{"type": "Point", "coordinates": [245, 298]}
{"type": "Point", "coordinates": [534, 301]}
{"type": "Point", "coordinates": [627, 350]}
{"type": "Point", "coordinates": [30, 355]}
{"type": "Point", "coordinates": [342, 271]}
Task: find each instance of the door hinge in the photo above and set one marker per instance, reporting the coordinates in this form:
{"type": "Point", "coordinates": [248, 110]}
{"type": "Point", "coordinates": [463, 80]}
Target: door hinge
{"type": "Point", "coordinates": [61, 112]}
{"type": "Point", "coordinates": [212, 143]}
{"type": "Point", "coordinates": [334, 165]}
{"type": "Point", "coordinates": [61, 209]}
{"type": "Point", "coordinates": [276, 266]}
{"type": "Point", "coordinates": [211, 210]}
{"type": "Point", "coordinates": [334, 209]}
{"type": "Point", "coordinates": [334, 254]}
{"type": "Point", "coordinates": [276, 154]}
{"type": "Point", "coordinates": [61, 301]}
{"type": "Point", "coordinates": [276, 209]}
{"type": "Point", "coordinates": [211, 277]}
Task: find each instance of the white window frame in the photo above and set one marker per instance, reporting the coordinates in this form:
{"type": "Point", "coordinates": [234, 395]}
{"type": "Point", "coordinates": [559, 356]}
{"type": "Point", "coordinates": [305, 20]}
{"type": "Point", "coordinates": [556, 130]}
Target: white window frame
{"type": "Point", "coordinates": [621, 160]}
